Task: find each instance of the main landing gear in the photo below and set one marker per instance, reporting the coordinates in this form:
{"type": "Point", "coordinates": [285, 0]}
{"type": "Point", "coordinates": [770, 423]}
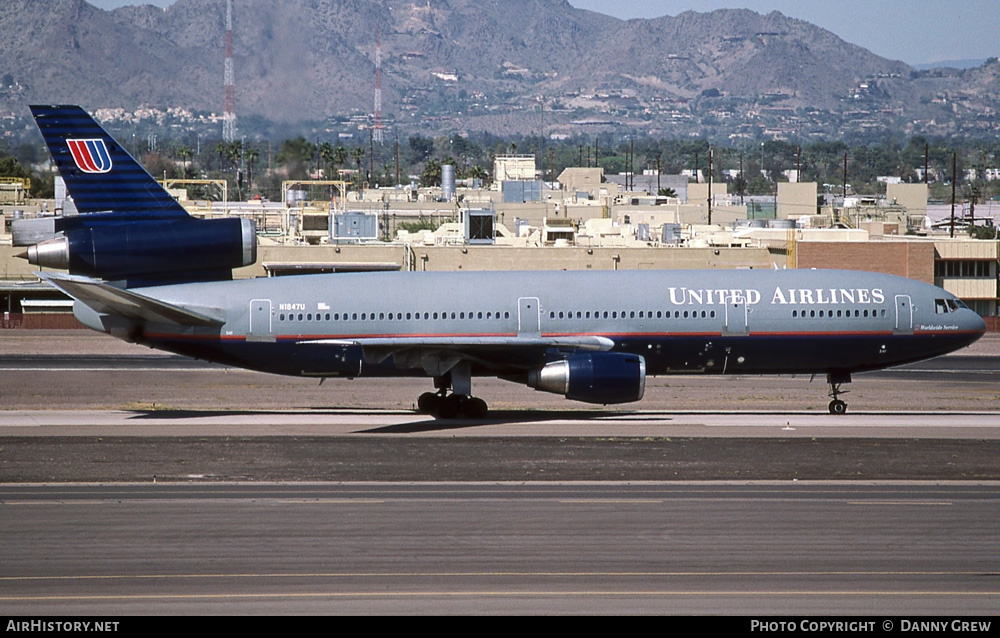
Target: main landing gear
{"type": "Point", "coordinates": [459, 402]}
{"type": "Point", "coordinates": [450, 406]}
{"type": "Point", "coordinates": [835, 380]}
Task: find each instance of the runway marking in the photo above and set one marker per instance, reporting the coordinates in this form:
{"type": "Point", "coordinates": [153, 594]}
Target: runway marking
{"type": "Point", "coordinates": [932, 503]}
{"type": "Point", "coordinates": [610, 501]}
{"type": "Point", "coordinates": [511, 574]}
{"type": "Point", "coordinates": [491, 593]}
{"type": "Point", "coordinates": [267, 500]}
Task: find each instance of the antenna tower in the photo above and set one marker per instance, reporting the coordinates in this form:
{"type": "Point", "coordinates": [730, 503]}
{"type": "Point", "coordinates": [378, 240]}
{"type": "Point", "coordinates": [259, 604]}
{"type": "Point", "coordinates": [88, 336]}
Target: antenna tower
{"type": "Point", "coordinates": [378, 127]}
{"type": "Point", "coordinates": [229, 99]}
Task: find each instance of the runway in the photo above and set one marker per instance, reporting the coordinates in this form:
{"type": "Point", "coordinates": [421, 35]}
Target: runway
{"type": "Point", "coordinates": [608, 548]}
{"type": "Point", "coordinates": [139, 483]}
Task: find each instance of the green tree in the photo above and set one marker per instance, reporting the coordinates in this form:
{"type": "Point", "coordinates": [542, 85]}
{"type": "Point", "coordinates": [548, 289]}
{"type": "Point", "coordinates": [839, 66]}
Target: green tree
{"type": "Point", "coordinates": [295, 156]}
{"type": "Point", "coordinates": [326, 154]}
{"type": "Point", "coordinates": [340, 157]}
{"type": "Point", "coordinates": [358, 154]}
{"type": "Point", "coordinates": [431, 175]}
{"type": "Point", "coordinates": [184, 153]}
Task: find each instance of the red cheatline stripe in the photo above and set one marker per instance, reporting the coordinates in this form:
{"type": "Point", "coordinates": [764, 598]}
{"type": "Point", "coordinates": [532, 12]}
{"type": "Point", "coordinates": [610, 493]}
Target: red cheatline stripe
{"type": "Point", "coordinates": [609, 335]}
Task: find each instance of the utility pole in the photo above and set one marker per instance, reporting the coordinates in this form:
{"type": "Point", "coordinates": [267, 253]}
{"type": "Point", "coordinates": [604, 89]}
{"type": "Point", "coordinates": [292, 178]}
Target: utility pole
{"type": "Point", "coordinates": [709, 185]}
{"type": "Point", "coordinates": [631, 156]}
{"type": "Point", "coordinates": [845, 175]}
{"type": "Point", "coordinates": [926, 156]}
{"type": "Point", "coordinates": [742, 179]}
{"type": "Point", "coordinates": [954, 179]}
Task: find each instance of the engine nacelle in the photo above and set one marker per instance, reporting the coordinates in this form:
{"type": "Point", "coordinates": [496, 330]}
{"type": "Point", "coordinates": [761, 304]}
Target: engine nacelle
{"type": "Point", "coordinates": [151, 248]}
{"type": "Point", "coordinates": [599, 377]}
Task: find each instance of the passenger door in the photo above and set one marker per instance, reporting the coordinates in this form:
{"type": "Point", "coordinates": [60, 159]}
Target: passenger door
{"type": "Point", "coordinates": [904, 315]}
{"type": "Point", "coordinates": [260, 321]}
{"type": "Point", "coordinates": [737, 318]}
{"type": "Point", "coordinates": [528, 318]}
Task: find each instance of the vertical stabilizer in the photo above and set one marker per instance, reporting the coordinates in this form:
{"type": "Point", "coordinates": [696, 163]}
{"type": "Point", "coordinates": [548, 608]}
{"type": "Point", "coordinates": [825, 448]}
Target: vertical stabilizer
{"type": "Point", "coordinates": [100, 175]}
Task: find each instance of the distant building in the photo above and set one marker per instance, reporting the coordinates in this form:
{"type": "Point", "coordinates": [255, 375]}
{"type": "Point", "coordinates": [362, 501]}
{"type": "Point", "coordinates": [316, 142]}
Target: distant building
{"type": "Point", "coordinates": [514, 167]}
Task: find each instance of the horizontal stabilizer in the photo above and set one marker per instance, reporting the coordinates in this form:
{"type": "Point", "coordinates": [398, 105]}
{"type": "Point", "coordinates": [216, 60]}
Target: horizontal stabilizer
{"type": "Point", "coordinates": [107, 299]}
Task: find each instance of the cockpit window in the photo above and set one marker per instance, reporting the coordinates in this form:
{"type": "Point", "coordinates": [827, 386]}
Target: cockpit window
{"type": "Point", "coordinates": [944, 306]}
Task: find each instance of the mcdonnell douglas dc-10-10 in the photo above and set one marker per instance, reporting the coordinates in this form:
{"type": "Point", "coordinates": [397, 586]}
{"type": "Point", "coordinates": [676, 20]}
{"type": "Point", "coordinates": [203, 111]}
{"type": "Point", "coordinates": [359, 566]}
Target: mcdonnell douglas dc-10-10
{"type": "Point", "coordinates": [143, 270]}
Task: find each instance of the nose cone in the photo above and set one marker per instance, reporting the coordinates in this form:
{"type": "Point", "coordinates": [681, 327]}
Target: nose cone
{"type": "Point", "coordinates": [973, 323]}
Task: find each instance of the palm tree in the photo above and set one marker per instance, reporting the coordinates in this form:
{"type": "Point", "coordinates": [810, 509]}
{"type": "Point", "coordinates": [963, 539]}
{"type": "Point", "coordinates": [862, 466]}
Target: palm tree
{"type": "Point", "coordinates": [326, 154]}
{"type": "Point", "coordinates": [358, 154]}
{"type": "Point", "coordinates": [340, 156]}
{"type": "Point", "coordinates": [251, 156]}
{"type": "Point", "coordinates": [222, 150]}
{"type": "Point", "coordinates": [185, 154]}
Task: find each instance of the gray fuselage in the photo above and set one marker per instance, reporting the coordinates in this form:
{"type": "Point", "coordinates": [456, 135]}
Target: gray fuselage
{"type": "Point", "coordinates": [709, 321]}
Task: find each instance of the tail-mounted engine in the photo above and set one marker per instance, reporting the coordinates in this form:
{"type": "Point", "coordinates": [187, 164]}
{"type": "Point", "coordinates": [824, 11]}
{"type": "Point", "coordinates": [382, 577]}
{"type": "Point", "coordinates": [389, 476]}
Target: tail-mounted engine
{"type": "Point", "coordinates": [599, 377]}
{"type": "Point", "coordinates": [150, 248]}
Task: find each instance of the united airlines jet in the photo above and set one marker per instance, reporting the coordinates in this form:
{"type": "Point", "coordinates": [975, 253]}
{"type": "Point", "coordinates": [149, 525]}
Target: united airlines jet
{"type": "Point", "coordinates": [144, 271]}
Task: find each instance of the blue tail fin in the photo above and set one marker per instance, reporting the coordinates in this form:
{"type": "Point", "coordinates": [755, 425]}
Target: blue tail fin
{"type": "Point", "coordinates": [99, 174]}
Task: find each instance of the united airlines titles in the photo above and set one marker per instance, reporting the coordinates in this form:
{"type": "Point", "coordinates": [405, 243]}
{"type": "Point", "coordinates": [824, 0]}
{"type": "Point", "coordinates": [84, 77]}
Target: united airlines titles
{"type": "Point", "coordinates": [782, 296]}
{"type": "Point", "coordinates": [815, 296]}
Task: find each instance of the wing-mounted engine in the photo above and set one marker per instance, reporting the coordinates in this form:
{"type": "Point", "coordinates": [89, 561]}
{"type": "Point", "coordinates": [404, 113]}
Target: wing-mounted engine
{"type": "Point", "coordinates": [595, 377]}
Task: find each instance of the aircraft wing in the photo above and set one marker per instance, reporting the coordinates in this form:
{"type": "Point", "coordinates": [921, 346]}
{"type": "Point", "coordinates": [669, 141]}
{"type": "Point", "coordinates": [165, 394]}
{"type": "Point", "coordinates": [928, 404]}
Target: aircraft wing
{"type": "Point", "coordinates": [437, 355]}
{"type": "Point", "coordinates": [107, 299]}
{"type": "Point", "coordinates": [601, 344]}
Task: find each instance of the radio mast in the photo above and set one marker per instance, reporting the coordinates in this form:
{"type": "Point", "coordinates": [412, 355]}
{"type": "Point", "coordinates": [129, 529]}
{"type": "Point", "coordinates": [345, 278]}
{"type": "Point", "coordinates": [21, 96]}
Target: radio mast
{"type": "Point", "coordinates": [229, 98]}
{"type": "Point", "coordinates": [377, 127]}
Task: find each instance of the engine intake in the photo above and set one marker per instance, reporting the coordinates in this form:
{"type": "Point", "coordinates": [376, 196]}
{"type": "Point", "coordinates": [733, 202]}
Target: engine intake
{"type": "Point", "coordinates": [599, 377]}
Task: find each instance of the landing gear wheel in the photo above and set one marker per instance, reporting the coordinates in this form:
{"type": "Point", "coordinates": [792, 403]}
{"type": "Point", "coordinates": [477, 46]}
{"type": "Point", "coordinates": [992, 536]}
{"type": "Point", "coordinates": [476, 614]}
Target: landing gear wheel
{"type": "Point", "coordinates": [428, 402]}
{"type": "Point", "coordinates": [837, 406]}
{"type": "Point", "coordinates": [475, 408]}
{"type": "Point", "coordinates": [442, 405]}
{"type": "Point", "coordinates": [450, 406]}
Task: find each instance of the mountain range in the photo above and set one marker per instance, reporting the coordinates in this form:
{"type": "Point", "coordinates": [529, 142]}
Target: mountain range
{"type": "Point", "coordinates": [501, 66]}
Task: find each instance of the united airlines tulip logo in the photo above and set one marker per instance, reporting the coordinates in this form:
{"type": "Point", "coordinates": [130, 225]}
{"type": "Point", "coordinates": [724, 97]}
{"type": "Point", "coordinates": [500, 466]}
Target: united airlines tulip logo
{"type": "Point", "coordinates": [91, 156]}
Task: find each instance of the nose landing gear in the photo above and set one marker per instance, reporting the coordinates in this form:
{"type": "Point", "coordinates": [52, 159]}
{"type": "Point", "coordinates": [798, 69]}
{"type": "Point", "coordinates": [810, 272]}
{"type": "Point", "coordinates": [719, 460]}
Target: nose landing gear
{"type": "Point", "coordinates": [837, 406]}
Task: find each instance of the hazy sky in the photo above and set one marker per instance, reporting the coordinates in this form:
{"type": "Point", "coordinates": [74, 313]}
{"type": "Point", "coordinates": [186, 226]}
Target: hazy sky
{"type": "Point", "coordinates": [914, 31]}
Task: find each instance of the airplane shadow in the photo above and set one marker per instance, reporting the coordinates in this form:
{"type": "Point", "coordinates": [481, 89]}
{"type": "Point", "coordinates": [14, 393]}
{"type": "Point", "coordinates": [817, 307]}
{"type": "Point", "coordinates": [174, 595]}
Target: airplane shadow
{"type": "Point", "coordinates": [497, 417]}
{"type": "Point", "coordinates": [426, 424]}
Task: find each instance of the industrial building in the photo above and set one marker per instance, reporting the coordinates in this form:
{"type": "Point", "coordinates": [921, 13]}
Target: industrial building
{"type": "Point", "coordinates": [583, 220]}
